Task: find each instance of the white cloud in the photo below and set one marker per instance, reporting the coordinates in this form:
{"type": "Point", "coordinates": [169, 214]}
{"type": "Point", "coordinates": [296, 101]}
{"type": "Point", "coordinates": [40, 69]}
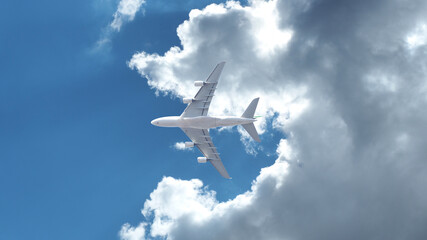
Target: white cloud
{"type": "Point", "coordinates": [125, 12]}
{"type": "Point", "coordinates": [167, 201]}
{"type": "Point", "coordinates": [176, 200]}
{"type": "Point", "coordinates": [132, 233]}
{"type": "Point", "coordinates": [181, 146]}
{"type": "Point", "coordinates": [249, 144]}
{"type": "Point", "coordinates": [243, 74]}
{"type": "Point", "coordinates": [417, 37]}
{"type": "Point", "coordinates": [344, 88]}
{"type": "Point", "coordinates": [265, 29]}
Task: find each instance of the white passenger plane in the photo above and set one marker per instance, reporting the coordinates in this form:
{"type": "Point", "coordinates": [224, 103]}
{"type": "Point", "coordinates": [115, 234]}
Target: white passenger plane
{"type": "Point", "coordinates": [195, 122]}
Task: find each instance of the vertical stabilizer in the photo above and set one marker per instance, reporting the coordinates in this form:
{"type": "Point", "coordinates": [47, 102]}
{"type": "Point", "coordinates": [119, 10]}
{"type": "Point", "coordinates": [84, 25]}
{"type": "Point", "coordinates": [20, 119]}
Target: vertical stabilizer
{"type": "Point", "coordinates": [249, 113]}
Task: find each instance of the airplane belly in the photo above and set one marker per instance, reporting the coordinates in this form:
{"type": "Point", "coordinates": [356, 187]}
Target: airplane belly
{"type": "Point", "coordinates": [227, 122]}
{"type": "Point", "coordinates": [232, 121]}
{"type": "Point", "coordinates": [205, 122]}
{"type": "Point", "coordinates": [200, 122]}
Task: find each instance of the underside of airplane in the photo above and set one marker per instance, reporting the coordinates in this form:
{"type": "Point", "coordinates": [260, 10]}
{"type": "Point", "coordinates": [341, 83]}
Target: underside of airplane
{"type": "Point", "coordinates": [196, 124]}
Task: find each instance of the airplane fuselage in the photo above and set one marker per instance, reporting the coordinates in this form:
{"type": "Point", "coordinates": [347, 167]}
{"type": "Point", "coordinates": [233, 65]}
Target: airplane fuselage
{"type": "Point", "coordinates": [201, 122]}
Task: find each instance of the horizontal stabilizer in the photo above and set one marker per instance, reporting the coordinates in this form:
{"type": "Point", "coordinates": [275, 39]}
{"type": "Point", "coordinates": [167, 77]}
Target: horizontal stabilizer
{"type": "Point", "coordinates": [250, 128]}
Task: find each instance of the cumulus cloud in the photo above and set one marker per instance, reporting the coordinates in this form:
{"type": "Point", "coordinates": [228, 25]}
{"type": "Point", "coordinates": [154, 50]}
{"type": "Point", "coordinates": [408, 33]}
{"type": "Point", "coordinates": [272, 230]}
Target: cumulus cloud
{"type": "Point", "coordinates": [132, 233]}
{"type": "Point", "coordinates": [222, 31]}
{"type": "Point", "coordinates": [166, 206]}
{"type": "Point", "coordinates": [180, 146]}
{"type": "Point", "coordinates": [348, 89]}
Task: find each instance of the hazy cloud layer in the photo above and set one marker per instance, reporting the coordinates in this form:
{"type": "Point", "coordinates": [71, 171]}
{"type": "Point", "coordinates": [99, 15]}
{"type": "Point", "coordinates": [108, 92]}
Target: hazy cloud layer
{"type": "Point", "coordinates": [345, 80]}
{"type": "Point", "coordinates": [125, 12]}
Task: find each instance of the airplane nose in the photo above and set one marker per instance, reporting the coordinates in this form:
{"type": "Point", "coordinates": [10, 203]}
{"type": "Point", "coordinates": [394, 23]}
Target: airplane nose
{"type": "Point", "coordinates": [155, 122]}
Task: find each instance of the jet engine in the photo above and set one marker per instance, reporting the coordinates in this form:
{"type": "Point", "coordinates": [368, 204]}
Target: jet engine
{"type": "Point", "coordinates": [187, 100]}
{"type": "Point", "coordinates": [202, 159]}
{"type": "Point", "coordinates": [199, 83]}
{"type": "Point", "coordinates": [189, 144]}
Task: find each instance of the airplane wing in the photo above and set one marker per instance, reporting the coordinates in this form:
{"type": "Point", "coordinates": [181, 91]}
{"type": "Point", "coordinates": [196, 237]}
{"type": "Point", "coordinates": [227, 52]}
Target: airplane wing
{"type": "Point", "coordinates": [203, 142]}
{"type": "Point", "coordinates": [200, 104]}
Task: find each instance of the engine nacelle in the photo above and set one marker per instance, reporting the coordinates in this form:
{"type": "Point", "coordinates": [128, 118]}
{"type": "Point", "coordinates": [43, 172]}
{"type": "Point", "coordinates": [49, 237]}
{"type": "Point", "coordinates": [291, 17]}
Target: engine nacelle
{"type": "Point", "coordinates": [189, 144]}
{"type": "Point", "coordinates": [202, 159]}
{"type": "Point", "coordinates": [199, 83]}
{"type": "Point", "coordinates": [187, 100]}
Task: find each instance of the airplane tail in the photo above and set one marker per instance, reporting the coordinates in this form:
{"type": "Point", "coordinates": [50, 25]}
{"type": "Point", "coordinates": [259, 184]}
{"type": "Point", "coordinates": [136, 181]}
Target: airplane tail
{"type": "Point", "coordinates": [249, 113]}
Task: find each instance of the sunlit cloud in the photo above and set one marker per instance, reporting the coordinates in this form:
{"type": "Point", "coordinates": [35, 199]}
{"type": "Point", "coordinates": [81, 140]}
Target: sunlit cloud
{"type": "Point", "coordinates": [344, 89]}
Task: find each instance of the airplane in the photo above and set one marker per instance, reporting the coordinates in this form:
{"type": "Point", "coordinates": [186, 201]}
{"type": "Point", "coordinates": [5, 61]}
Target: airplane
{"type": "Point", "coordinates": [195, 122]}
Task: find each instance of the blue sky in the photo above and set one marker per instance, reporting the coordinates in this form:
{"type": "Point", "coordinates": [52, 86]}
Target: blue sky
{"type": "Point", "coordinates": [78, 155]}
{"type": "Point", "coordinates": [342, 90]}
